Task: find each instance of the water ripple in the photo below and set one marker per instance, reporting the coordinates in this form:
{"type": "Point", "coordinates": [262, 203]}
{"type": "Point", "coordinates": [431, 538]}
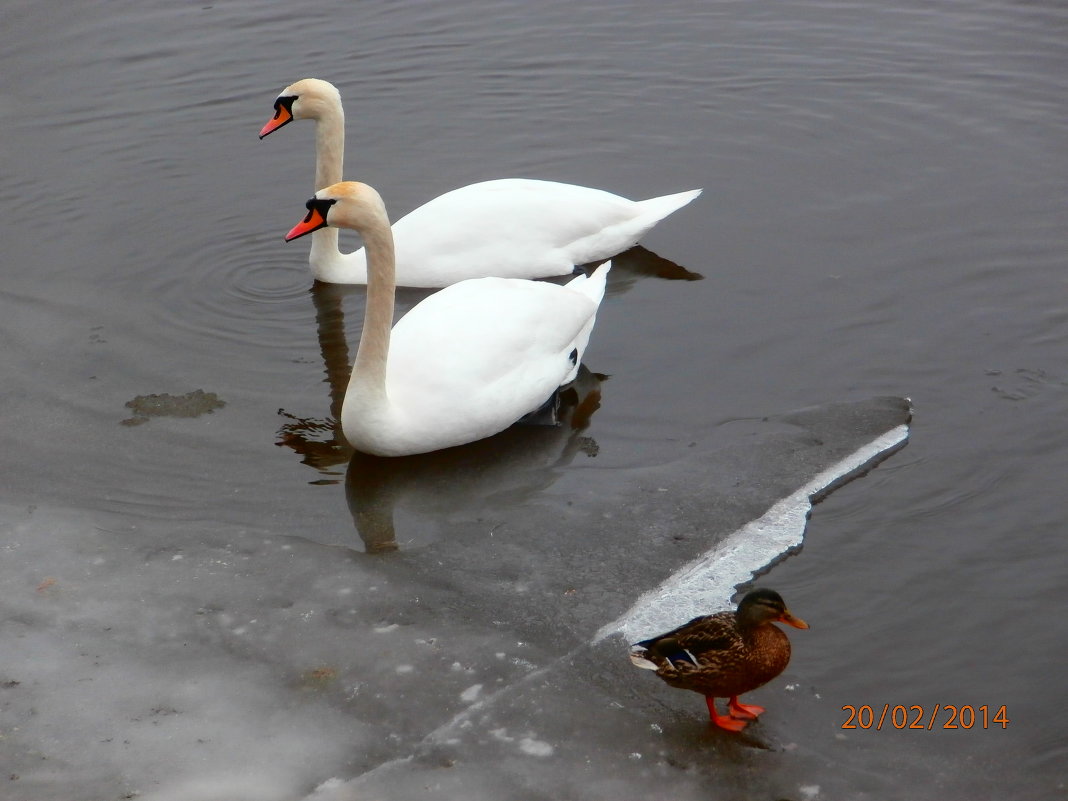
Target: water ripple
{"type": "Point", "coordinates": [255, 295]}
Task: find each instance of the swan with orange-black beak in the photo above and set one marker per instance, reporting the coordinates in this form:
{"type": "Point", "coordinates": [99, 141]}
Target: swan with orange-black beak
{"type": "Point", "coordinates": [507, 227]}
{"type": "Point", "coordinates": [463, 364]}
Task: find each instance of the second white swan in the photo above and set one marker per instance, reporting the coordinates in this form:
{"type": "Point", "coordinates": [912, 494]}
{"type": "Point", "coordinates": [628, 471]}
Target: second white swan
{"type": "Point", "coordinates": [510, 227]}
{"type": "Point", "coordinates": [464, 363]}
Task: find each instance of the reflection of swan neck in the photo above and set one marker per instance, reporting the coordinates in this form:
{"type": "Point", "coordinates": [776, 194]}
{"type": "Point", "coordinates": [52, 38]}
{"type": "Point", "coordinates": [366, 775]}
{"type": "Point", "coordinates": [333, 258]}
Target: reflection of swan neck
{"type": "Point", "coordinates": [329, 158]}
{"type": "Point", "coordinates": [369, 370]}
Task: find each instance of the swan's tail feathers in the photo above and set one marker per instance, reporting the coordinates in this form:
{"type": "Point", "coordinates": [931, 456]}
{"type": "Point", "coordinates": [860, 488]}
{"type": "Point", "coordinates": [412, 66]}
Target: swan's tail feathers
{"type": "Point", "coordinates": [657, 208]}
{"type": "Point", "coordinates": [592, 285]}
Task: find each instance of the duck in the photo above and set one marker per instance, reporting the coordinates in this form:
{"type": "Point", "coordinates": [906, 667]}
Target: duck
{"type": "Point", "coordinates": [507, 227]}
{"type": "Point", "coordinates": [724, 655]}
{"type": "Point", "coordinates": [464, 363]}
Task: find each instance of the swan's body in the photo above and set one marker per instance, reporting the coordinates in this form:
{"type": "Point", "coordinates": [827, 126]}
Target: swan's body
{"type": "Point", "coordinates": [510, 227]}
{"type": "Point", "coordinates": [463, 364]}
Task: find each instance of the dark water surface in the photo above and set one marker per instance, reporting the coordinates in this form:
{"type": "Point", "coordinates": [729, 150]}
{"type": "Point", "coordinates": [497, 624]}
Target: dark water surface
{"type": "Point", "coordinates": [884, 215]}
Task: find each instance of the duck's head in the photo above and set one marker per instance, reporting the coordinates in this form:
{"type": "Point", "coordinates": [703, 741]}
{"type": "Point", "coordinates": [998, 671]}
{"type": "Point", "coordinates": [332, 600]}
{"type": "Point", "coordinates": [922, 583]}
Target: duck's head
{"type": "Point", "coordinates": [766, 606]}
{"type": "Point", "coordinates": [307, 99]}
{"type": "Point", "coordinates": [349, 204]}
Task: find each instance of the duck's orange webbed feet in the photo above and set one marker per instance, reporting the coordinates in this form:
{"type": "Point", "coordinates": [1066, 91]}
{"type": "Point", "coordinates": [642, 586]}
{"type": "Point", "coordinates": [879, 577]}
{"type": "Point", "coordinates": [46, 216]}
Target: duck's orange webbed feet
{"type": "Point", "coordinates": [723, 721]}
{"type": "Point", "coordinates": [744, 711]}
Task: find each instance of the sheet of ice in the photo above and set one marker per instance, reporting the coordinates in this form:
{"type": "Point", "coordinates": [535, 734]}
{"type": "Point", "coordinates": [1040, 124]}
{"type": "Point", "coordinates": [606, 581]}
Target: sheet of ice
{"type": "Point", "coordinates": [484, 745]}
{"type": "Point", "coordinates": [706, 584]}
{"type": "Point", "coordinates": [204, 661]}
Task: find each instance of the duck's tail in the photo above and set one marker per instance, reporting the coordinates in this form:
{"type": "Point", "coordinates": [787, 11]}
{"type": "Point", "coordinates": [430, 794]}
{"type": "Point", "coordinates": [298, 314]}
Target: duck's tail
{"type": "Point", "coordinates": [638, 657]}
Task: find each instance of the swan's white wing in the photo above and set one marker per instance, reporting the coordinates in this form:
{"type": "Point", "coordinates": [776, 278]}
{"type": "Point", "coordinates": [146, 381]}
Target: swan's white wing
{"type": "Point", "coordinates": [485, 332]}
{"type": "Point", "coordinates": [472, 359]}
{"type": "Point", "coordinates": [517, 227]}
{"type": "Point", "coordinates": [511, 227]}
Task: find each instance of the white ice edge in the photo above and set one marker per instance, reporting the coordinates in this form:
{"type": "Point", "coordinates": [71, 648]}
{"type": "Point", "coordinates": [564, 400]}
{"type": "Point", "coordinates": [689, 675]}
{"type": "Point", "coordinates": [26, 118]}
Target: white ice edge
{"type": "Point", "coordinates": [706, 584]}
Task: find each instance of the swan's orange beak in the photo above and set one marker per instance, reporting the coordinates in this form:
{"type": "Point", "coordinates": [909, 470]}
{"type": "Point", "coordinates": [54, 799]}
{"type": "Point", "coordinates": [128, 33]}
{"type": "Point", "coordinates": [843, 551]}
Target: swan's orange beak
{"type": "Point", "coordinates": [790, 620]}
{"type": "Point", "coordinates": [312, 222]}
{"type": "Point", "coordinates": [282, 115]}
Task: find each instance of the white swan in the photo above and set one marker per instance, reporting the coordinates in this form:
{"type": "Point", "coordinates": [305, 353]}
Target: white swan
{"type": "Point", "coordinates": [511, 227]}
{"type": "Point", "coordinates": [464, 363]}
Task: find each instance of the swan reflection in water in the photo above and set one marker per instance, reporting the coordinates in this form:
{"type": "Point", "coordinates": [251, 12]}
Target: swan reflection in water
{"type": "Point", "coordinates": [638, 263]}
{"type": "Point", "coordinates": [519, 461]}
{"type": "Point", "coordinates": [497, 472]}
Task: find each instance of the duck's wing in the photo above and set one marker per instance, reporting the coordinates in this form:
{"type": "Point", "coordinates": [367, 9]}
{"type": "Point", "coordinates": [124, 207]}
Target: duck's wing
{"type": "Point", "coordinates": [687, 643]}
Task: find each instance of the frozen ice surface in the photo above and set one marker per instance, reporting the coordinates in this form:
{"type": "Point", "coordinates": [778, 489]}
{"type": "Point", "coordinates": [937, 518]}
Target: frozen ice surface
{"type": "Point", "coordinates": [707, 584]}
{"type": "Point", "coordinates": [177, 660]}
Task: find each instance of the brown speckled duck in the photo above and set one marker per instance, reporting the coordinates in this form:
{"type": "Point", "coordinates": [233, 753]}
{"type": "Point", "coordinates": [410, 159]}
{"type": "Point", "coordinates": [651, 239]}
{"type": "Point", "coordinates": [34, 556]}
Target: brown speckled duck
{"type": "Point", "coordinates": [724, 655]}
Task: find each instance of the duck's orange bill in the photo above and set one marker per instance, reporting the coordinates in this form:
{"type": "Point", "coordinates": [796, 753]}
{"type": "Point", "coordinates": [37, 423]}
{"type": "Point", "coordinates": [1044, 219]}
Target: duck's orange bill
{"type": "Point", "coordinates": [790, 620]}
{"type": "Point", "coordinates": [313, 222]}
{"type": "Point", "coordinates": [281, 117]}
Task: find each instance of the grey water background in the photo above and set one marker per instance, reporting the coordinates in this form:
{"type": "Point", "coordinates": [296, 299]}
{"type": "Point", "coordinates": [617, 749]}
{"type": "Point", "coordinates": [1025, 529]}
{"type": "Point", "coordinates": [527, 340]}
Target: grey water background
{"type": "Point", "coordinates": [191, 610]}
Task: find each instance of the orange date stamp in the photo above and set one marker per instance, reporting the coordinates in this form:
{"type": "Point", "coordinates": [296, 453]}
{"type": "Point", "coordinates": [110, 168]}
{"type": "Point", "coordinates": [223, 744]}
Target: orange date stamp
{"type": "Point", "coordinates": [940, 716]}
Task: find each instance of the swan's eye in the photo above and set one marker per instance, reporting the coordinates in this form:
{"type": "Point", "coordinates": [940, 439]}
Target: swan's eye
{"type": "Point", "coordinates": [320, 205]}
{"type": "Point", "coordinates": [284, 103]}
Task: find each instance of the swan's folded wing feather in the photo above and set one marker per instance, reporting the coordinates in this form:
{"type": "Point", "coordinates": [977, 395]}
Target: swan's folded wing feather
{"type": "Point", "coordinates": [490, 341]}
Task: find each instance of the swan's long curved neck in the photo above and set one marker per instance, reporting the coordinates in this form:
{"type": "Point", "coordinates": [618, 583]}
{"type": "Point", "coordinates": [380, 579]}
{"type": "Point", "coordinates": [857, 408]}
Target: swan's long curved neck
{"type": "Point", "coordinates": [329, 147]}
{"type": "Point", "coordinates": [369, 370]}
{"type": "Point", "coordinates": [329, 159]}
